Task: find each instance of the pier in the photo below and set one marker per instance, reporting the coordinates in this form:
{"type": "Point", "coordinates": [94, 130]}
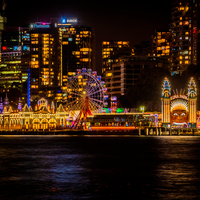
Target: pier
{"type": "Point", "coordinates": [138, 131]}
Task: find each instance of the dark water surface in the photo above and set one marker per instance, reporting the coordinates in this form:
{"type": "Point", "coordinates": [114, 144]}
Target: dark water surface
{"type": "Point", "coordinates": [107, 167]}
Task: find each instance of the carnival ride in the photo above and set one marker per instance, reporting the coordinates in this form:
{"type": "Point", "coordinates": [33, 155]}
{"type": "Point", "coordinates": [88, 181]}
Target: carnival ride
{"type": "Point", "coordinates": [86, 94]}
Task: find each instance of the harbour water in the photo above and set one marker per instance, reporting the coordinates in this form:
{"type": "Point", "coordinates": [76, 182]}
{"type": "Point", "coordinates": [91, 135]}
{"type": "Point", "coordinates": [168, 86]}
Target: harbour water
{"type": "Point", "coordinates": [99, 167]}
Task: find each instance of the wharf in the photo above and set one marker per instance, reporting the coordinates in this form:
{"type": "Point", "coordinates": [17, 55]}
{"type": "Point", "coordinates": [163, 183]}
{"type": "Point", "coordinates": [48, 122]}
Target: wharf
{"type": "Point", "coordinates": [139, 131]}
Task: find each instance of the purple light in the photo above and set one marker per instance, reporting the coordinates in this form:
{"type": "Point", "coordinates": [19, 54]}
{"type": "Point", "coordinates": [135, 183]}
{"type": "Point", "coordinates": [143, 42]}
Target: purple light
{"type": "Point", "coordinates": [43, 23]}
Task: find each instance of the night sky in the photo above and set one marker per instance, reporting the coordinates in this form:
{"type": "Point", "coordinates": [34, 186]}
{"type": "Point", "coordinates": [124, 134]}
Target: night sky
{"type": "Point", "coordinates": [134, 21]}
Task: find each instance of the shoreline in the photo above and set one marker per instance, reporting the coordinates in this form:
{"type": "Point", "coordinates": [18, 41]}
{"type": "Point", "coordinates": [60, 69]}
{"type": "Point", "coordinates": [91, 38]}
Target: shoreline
{"type": "Point", "coordinates": [136, 132]}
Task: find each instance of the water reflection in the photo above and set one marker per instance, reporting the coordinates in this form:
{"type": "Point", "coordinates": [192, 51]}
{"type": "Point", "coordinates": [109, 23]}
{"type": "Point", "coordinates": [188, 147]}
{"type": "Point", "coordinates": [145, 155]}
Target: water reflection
{"type": "Point", "coordinates": [178, 171]}
{"type": "Point", "coordinates": [98, 167]}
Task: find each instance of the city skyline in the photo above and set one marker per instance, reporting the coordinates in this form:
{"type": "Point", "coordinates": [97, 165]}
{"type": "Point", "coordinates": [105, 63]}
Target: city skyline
{"type": "Point", "coordinates": [110, 21]}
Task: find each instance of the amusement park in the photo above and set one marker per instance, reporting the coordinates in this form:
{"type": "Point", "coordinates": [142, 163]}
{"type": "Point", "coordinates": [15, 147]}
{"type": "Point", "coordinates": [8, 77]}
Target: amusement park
{"type": "Point", "coordinates": [87, 107]}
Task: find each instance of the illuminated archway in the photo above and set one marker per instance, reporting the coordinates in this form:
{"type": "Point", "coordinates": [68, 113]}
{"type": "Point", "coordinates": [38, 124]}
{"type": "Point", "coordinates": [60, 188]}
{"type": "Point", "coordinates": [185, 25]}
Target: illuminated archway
{"type": "Point", "coordinates": [36, 124]}
{"type": "Point", "coordinates": [52, 123]}
{"type": "Point", "coordinates": [44, 124]}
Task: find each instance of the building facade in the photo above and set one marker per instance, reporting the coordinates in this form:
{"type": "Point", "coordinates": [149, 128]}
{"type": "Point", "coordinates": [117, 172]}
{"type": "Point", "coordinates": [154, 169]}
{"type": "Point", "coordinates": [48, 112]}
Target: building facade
{"type": "Point", "coordinates": [14, 59]}
{"type": "Point", "coordinates": [112, 50]}
{"type": "Point", "coordinates": [161, 45]}
{"type": "Point", "coordinates": [185, 34]}
{"type": "Point", "coordinates": [42, 118]}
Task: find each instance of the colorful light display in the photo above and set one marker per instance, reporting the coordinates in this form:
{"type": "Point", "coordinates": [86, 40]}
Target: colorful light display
{"type": "Point", "coordinates": [179, 110]}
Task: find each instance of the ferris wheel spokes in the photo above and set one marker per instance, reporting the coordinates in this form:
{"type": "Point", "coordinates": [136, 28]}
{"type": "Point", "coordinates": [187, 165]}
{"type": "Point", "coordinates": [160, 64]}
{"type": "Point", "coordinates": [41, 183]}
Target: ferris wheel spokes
{"type": "Point", "coordinates": [85, 93]}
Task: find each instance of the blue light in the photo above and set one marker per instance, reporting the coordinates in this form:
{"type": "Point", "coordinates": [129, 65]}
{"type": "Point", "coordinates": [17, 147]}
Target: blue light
{"type": "Point", "coordinates": [69, 39]}
{"type": "Point", "coordinates": [29, 88]}
{"type": "Point", "coordinates": [63, 20]}
{"type": "Point", "coordinates": [24, 48]}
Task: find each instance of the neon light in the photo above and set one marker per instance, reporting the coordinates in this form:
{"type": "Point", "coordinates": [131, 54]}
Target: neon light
{"type": "Point", "coordinates": [29, 88]}
{"type": "Point", "coordinates": [40, 25]}
{"type": "Point", "coordinates": [71, 20]}
{"type": "Point", "coordinates": [63, 20]}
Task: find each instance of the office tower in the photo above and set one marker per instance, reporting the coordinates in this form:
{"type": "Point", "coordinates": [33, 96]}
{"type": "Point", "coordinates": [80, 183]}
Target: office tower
{"type": "Point", "coordinates": [77, 46]}
{"type": "Point", "coordinates": [14, 59]}
{"type": "Point", "coordinates": [45, 60]}
{"type": "Point", "coordinates": [111, 52]}
{"type": "Point", "coordinates": [185, 33]}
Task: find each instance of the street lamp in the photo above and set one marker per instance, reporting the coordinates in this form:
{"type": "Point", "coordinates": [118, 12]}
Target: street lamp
{"type": "Point", "coordinates": [142, 108]}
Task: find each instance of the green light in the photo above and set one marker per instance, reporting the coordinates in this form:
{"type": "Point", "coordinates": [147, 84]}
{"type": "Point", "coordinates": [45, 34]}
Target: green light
{"type": "Point", "coordinates": [120, 110]}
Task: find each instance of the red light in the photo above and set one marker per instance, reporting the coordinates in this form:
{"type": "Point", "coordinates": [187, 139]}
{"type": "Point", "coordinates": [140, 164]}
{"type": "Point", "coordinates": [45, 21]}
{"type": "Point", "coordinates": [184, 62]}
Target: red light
{"type": "Point", "coordinates": [113, 128]}
{"type": "Point", "coordinates": [4, 48]}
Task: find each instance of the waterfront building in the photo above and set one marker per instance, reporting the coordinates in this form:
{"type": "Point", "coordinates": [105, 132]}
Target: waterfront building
{"type": "Point", "coordinates": [43, 117]}
{"type": "Point", "coordinates": [121, 121]}
{"type": "Point", "coordinates": [185, 34]}
{"type": "Point", "coordinates": [179, 110]}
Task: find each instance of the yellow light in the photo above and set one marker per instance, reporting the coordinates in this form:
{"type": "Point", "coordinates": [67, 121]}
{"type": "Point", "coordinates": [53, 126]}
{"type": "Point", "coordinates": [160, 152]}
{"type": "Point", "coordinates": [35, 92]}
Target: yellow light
{"type": "Point", "coordinates": [109, 74]}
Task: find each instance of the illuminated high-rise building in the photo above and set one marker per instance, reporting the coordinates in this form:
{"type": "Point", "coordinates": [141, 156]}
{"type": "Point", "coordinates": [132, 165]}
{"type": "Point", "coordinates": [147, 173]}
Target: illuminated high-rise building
{"type": "Point", "coordinates": [77, 47]}
{"type": "Point", "coordinates": [14, 58]}
{"type": "Point", "coordinates": [161, 46]}
{"type": "Point", "coordinates": [45, 63]}
{"type": "Point", "coordinates": [161, 43]}
{"type": "Point", "coordinates": [45, 53]}
{"type": "Point", "coordinates": [185, 34]}
{"type": "Point", "coordinates": [111, 52]}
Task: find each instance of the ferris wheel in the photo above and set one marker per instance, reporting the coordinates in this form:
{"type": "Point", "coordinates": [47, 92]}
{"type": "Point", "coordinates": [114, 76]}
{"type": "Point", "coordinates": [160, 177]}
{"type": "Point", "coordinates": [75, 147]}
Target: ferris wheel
{"type": "Point", "coordinates": [85, 92]}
